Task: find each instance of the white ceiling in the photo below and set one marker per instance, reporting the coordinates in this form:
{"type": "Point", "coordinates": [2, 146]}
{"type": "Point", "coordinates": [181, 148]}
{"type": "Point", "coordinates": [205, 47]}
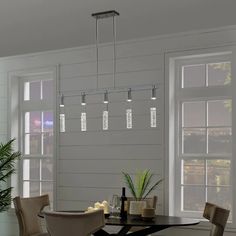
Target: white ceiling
{"type": "Point", "coordinates": [28, 26]}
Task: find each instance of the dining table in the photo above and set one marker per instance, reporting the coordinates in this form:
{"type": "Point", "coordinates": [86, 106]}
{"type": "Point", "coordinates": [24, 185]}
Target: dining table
{"type": "Point", "coordinates": [145, 227]}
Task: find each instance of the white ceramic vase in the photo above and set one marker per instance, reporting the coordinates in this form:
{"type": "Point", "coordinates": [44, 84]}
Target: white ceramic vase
{"type": "Point", "coordinates": [135, 207]}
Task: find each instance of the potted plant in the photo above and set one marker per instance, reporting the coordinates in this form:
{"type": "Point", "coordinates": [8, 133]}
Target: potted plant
{"type": "Point", "coordinates": [7, 160]}
{"type": "Point", "coordinates": [140, 189]}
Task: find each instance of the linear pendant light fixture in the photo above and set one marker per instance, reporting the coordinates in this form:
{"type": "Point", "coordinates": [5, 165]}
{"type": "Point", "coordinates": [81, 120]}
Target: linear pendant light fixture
{"type": "Point", "coordinates": [112, 89]}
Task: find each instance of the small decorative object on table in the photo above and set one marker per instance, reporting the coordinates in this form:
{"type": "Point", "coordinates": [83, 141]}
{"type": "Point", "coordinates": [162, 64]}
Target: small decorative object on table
{"type": "Point", "coordinates": [123, 208]}
{"type": "Point", "coordinates": [98, 205]}
{"type": "Point", "coordinates": [140, 189]}
{"type": "Point", "coordinates": [148, 213]}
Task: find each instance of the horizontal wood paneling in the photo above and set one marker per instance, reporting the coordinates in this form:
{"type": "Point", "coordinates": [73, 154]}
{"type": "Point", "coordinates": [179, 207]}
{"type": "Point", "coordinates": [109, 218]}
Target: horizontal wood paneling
{"type": "Point", "coordinates": [106, 81]}
{"type": "Point", "coordinates": [131, 64]}
{"type": "Point", "coordinates": [91, 195]}
{"type": "Point", "coordinates": [109, 166]}
{"type": "Point", "coordinates": [116, 138]}
{"type": "Point", "coordinates": [91, 180]}
{"type": "Point", "coordinates": [114, 152]}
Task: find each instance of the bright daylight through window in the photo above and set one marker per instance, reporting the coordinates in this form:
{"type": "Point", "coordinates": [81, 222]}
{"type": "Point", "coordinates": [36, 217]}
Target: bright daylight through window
{"type": "Point", "coordinates": [37, 130]}
{"type": "Point", "coordinates": [203, 116]}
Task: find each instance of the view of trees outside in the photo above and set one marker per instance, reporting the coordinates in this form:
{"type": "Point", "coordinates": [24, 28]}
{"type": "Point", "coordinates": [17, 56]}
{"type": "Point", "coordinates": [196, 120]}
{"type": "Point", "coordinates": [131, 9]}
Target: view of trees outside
{"type": "Point", "coordinates": [38, 148]}
{"type": "Point", "coordinates": [206, 131]}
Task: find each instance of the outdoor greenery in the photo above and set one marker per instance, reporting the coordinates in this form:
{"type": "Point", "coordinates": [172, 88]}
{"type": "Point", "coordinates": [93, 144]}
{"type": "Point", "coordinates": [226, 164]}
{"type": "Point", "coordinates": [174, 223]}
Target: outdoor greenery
{"type": "Point", "coordinates": [143, 184]}
{"type": "Point", "coordinates": [7, 160]}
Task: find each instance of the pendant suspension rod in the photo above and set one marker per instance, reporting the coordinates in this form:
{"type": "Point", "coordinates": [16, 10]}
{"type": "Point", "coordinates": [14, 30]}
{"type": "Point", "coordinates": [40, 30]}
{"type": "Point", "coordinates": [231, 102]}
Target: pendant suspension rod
{"type": "Point", "coordinates": [114, 51]}
{"type": "Point", "coordinates": [97, 48]}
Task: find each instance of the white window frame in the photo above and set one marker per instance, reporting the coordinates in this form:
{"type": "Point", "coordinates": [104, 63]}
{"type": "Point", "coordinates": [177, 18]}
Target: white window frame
{"type": "Point", "coordinates": [29, 106]}
{"type": "Point", "coordinates": [16, 110]}
{"type": "Point", "coordinates": [171, 82]}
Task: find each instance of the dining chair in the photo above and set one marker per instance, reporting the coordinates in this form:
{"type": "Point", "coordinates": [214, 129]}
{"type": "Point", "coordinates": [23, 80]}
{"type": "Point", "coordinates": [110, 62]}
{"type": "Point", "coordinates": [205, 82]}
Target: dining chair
{"type": "Point", "coordinates": [218, 216]}
{"type": "Point", "coordinates": [27, 210]}
{"type": "Point", "coordinates": [74, 224]}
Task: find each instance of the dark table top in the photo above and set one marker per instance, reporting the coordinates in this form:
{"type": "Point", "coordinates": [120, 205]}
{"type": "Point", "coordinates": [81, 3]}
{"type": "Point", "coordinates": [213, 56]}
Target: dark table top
{"type": "Point", "coordinates": [159, 220]}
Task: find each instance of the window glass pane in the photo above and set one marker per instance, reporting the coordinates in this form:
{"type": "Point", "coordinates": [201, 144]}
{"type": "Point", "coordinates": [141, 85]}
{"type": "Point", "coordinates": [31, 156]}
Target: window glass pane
{"type": "Point", "coordinates": [47, 121]}
{"type": "Point", "coordinates": [31, 169]}
{"type": "Point", "coordinates": [33, 144]}
{"type": "Point", "coordinates": [47, 169]}
{"type": "Point", "coordinates": [34, 189]}
{"type": "Point", "coordinates": [35, 91]}
{"type": "Point", "coordinates": [194, 140]}
{"type": "Point", "coordinates": [47, 188]}
{"type": "Point", "coordinates": [193, 198]}
{"type": "Point", "coordinates": [35, 121]}
{"type": "Point", "coordinates": [31, 189]}
{"type": "Point", "coordinates": [194, 172]}
{"type": "Point", "coordinates": [220, 196]}
{"type": "Point", "coordinates": [218, 172]}
{"type": "Point", "coordinates": [47, 89]}
{"type": "Point", "coordinates": [47, 144]}
{"type": "Point", "coordinates": [26, 91]}
{"type": "Point", "coordinates": [194, 114]}
{"type": "Point", "coordinates": [219, 140]}
{"type": "Point", "coordinates": [194, 76]}
{"type": "Point", "coordinates": [219, 73]}
{"type": "Point", "coordinates": [220, 113]}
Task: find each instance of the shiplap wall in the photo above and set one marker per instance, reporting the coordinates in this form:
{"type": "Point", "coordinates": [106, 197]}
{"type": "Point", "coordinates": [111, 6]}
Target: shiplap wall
{"type": "Point", "coordinates": [90, 163]}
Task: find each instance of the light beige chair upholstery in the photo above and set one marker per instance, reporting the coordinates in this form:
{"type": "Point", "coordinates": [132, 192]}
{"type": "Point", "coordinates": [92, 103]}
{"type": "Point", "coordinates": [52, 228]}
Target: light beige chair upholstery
{"type": "Point", "coordinates": [151, 202]}
{"type": "Point", "coordinates": [27, 210]}
{"type": "Point", "coordinates": [74, 224]}
{"type": "Point", "coordinates": [218, 216]}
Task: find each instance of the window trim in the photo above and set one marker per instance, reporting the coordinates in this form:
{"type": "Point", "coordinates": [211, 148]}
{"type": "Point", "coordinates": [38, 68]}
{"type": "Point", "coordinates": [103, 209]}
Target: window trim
{"type": "Point", "coordinates": [14, 97]}
{"type": "Point", "coordinates": [170, 142]}
{"type": "Point", "coordinates": [210, 93]}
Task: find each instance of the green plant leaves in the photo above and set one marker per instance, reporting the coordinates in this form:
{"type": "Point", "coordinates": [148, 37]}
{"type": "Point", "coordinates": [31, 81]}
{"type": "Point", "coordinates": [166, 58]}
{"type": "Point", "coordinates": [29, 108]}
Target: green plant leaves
{"type": "Point", "coordinates": [141, 187]}
{"type": "Point", "coordinates": [7, 160]}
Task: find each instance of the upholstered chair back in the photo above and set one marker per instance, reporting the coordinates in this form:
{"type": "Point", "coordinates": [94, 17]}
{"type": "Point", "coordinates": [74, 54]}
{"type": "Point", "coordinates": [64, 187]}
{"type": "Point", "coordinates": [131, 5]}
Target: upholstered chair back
{"type": "Point", "coordinates": [27, 210]}
{"type": "Point", "coordinates": [74, 224]}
